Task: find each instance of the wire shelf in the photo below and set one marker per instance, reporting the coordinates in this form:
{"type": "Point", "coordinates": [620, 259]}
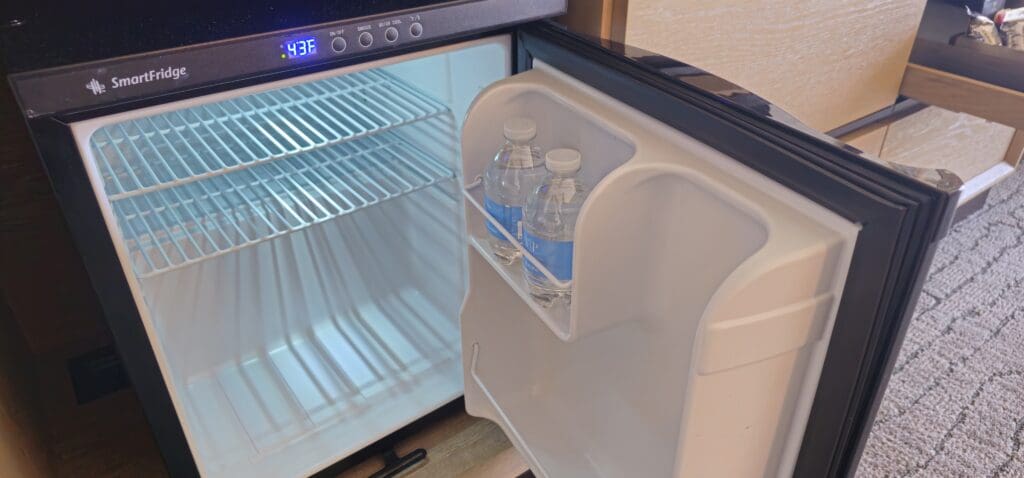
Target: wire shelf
{"type": "Point", "coordinates": [174, 227]}
{"type": "Point", "coordinates": [166, 150]}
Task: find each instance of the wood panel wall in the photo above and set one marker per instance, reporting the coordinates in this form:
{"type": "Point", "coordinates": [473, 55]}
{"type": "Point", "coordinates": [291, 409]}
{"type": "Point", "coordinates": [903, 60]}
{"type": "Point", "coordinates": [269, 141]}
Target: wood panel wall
{"type": "Point", "coordinates": [827, 62]}
{"type": "Point", "coordinates": [599, 18]}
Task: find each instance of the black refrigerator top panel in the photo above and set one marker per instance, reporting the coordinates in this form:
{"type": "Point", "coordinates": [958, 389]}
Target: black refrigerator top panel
{"type": "Point", "coordinates": [50, 33]}
{"type": "Point", "coordinates": [83, 55]}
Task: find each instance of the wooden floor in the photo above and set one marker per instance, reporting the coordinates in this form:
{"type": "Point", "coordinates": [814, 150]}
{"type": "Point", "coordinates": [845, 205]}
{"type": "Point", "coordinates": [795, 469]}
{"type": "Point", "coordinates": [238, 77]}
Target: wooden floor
{"type": "Point", "coordinates": [457, 446]}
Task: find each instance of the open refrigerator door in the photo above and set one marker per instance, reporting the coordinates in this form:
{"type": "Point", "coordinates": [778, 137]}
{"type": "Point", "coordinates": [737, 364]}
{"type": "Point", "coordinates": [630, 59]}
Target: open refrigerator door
{"type": "Point", "coordinates": [703, 296]}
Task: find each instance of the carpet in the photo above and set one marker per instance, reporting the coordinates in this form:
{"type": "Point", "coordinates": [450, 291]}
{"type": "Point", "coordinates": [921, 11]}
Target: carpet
{"type": "Point", "coordinates": [955, 402]}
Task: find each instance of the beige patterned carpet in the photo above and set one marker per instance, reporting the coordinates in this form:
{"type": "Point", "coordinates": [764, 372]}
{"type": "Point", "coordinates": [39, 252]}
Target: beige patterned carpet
{"type": "Point", "coordinates": [955, 403]}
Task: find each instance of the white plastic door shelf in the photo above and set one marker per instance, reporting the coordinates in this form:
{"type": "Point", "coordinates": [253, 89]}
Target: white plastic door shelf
{"type": "Point", "coordinates": [701, 295]}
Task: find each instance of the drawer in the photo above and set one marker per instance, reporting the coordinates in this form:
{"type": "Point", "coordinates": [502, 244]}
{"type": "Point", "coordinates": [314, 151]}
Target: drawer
{"type": "Point", "coordinates": [979, 151]}
{"type": "Point", "coordinates": [958, 74]}
{"type": "Point", "coordinates": [938, 46]}
{"type": "Point", "coordinates": [961, 107]}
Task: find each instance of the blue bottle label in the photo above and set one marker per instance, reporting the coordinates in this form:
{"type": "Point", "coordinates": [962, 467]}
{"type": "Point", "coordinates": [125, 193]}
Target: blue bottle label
{"type": "Point", "coordinates": [555, 255]}
{"type": "Point", "coordinates": [510, 217]}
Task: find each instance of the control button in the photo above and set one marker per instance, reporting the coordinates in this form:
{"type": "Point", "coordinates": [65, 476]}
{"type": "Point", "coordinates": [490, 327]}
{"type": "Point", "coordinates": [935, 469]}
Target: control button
{"type": "Point", "coordinates": [339, 44]}
{"type": "Point", "coordinates": [391, 34]}
{"type": "Point", "coordinates": [416, 29]}
{"type": "Point", "coordinates": [366, 39]}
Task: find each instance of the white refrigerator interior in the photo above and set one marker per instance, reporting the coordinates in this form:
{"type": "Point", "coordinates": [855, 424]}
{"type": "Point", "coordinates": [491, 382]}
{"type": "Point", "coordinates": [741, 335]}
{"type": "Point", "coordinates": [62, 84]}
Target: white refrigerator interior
{"type": "Point", "coordinates": [301, 253]}
{"type": "Point", "coordinates": [704, 295]}
{"type": "Point", "coordinates": [297, 252]}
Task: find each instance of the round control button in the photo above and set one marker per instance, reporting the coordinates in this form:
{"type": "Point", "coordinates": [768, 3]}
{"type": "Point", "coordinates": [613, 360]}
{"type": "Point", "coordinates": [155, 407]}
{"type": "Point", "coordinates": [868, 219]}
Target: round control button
{"type": "Point", "coordinates": [365, 39]}
{"type": "Point", "coordinates": [391, 34]}
{"type": "Point", "coordinates": [416, 29]}
{"type": "Point", "coordinates": [339, 44]}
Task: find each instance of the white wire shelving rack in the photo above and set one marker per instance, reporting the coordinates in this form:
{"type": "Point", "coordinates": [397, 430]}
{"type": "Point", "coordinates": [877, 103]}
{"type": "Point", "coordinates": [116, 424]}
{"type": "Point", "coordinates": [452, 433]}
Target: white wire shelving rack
{"type": "Point", "coordinates": [174, 227]}
{"type": "Point", "coordinates": [192, 184]}
{"type": "Point", "coordinates": [173, 148]}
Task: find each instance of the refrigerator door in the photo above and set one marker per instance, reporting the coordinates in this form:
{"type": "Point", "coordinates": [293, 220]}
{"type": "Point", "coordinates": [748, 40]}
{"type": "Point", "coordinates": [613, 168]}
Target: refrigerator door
{"type": "Point", "coordinates": [741, 284]}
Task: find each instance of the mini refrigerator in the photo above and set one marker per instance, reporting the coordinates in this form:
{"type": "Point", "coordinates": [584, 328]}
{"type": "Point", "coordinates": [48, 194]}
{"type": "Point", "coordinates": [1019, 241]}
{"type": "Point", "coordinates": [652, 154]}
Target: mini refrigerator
{"type": "Point", "coordinates": [284, 222]}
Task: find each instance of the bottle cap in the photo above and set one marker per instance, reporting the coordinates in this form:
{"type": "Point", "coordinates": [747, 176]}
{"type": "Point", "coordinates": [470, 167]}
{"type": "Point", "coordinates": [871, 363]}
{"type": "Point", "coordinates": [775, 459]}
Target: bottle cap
{"type": "Point", "coordinates": [562, 160]}
{"type": "Point", "coordinates": [519, 128]}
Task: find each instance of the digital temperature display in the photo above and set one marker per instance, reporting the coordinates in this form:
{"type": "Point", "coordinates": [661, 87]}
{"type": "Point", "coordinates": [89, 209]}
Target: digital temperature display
{"type": "Point", "coordinates": [299, 48]}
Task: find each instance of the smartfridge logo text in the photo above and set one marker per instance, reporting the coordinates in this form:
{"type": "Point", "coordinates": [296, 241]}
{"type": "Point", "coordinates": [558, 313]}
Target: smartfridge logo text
{"type": "Point", "coordinates": [96, 87]}
{"type": "Point", "coordinates": [166, 73]}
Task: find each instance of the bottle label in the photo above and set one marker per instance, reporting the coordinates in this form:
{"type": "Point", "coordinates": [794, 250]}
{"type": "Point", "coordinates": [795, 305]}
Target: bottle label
{"type": "Point", "coordinates": [555, 255]}
{"type": "Point", "coordinates": [510, 217]}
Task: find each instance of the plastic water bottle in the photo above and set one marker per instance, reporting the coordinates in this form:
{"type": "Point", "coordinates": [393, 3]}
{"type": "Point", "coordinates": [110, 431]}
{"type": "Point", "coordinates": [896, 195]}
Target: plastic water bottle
{"type": "Point", "coordinates": [514, 173]}
{"type": "Point", "coordinates": [549, 222]}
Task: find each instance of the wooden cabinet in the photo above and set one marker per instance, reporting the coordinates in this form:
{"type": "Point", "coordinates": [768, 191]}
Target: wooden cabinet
{"type": "Point", "coordinates": [979, 151]}
{"type": "Point", "coordinates": [830, 63]}
{"type": "Point", "coordinates": [789, 53]}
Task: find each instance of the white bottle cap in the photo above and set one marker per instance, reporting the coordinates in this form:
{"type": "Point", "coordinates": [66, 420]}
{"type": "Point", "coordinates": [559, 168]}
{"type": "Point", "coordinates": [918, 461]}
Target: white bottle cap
{"type": "Point", "coordinates": [519, 128]}
{"type": "Point", "coordinates": [562, 160]}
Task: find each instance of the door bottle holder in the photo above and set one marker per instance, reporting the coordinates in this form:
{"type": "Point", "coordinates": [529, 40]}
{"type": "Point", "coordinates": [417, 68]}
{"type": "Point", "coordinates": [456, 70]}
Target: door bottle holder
{"type": "Point", "coordinates": [555, 316]}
